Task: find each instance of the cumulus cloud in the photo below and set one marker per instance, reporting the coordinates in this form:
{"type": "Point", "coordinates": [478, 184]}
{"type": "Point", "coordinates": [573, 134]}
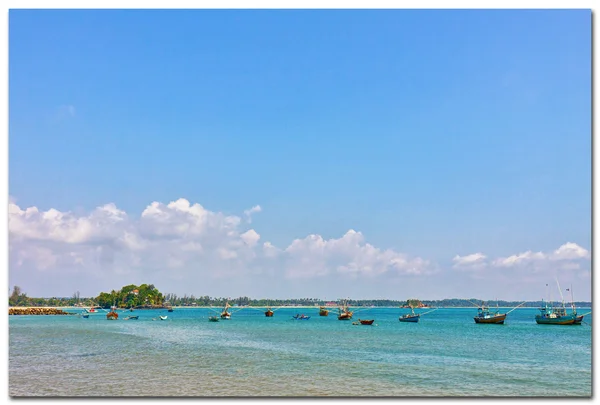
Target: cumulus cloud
{"type": "Point", "coordinates": [348, 255]}
{"type": "Point", "coordinates": [566, 257]}
{"type": "Point", "coordinates": [253, 210]}
{"type": "Point", "coordinates": [180, 238]}
{"type": "Point", "coordinates": [470, 262]}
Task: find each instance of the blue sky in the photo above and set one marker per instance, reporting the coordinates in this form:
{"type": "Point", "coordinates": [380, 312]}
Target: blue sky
{"type": "Point", "coordinates": [433, 133]}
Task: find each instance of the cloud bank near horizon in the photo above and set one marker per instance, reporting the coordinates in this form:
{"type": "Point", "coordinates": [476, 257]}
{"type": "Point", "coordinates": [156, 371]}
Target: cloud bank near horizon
{"type": "Point", "coordinates": [186, 243]}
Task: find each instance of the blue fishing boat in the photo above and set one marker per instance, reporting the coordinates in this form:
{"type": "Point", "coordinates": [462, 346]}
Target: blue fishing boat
{"type": "Point", "coordinates": [411, 317]}
{"type": "Point", "coordinates": [86, 315]}
{"type": "Point", "coordinates": [557, 315]}
{"type": "Point", "coordinates": [301, 317]}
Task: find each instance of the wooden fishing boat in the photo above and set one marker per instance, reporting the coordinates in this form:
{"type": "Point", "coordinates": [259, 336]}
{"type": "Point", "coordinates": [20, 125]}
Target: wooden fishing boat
{"type": "Point", "coordinates": [269, 312]}
{"type": "Point", "coordinates": [409, 317]}
{"type": "Point", "coordinates": [226, 314]}
{"type": "Point", "coordinates": [485, 316]}
{"type": "Point", "coordinates": [323, 311]}
{"type": "Point", "coordinates": [366, 321]}
{"type": "Point", "coordinates": [213, 319]}
{"type": "Point", "coordinates": [112, 315]}
{"type": "Point", "coordinates": [557, 315]}
{"type": "Point", "coordinates": [344, 313]}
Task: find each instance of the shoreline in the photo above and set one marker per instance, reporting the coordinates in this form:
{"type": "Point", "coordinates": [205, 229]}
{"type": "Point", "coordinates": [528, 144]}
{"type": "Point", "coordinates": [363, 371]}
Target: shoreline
{"type": "Point", "coordinates": [252, 307]}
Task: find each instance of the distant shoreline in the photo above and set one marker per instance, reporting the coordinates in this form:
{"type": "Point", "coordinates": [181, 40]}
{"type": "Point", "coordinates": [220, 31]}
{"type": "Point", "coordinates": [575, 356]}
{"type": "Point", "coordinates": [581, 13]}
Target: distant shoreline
{"type": "Point", "coordinates": [264, 307]}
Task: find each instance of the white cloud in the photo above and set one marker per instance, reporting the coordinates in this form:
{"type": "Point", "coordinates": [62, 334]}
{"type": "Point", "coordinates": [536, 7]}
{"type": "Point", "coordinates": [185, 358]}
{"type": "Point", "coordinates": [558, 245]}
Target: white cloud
{"type": "Point", "coordinates": [566, 257]}
{"type": "Point", "coordinates": [570, 251]}
{"type": "Point", "coordinates": [180, 238]}
{"type": "Point", "coordinates": [471, 262]}
{"type": "Point", "coordinates": [253, 210]}
{"type": "Point", "coordinates": [315, 256]}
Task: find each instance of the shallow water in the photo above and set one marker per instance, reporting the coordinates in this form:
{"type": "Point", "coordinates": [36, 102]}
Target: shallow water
{"type": "Point", "coordinates": [445, 354]}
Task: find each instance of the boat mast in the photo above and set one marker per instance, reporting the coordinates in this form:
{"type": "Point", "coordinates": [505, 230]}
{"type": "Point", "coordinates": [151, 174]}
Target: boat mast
{"type": "Point", "coordinates": [572, 302]}
{"type": "Point", "coordinates": [561, 295]}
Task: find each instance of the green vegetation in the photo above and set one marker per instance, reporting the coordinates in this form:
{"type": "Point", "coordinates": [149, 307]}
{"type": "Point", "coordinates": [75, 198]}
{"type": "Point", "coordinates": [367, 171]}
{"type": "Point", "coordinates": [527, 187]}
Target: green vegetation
{"type": "Point", "coordinates": [147, 295]}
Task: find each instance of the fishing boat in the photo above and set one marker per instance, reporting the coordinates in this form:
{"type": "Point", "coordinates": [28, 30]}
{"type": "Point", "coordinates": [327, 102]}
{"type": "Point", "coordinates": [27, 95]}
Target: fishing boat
{"type": "Point", "coordinates": [213, 319]}
{"type": "Point", "coordinates": [85, 315]}
{"type": "Point", "coordinates": [323, 311]}
{"type": "Point", "coordinates": [485, 316]}
{"type": "Point", "coordinates": [411, 317]}
{"type": "Point", "coordinates": [170, 309]}
{"type": "Point", "coordinates": [127, 318]}
{"type": "Point", "coordinates": [162, 317]}
{"type": "Point", "coordinates": [269, 312]}
{"type": "Point", "coordinates": [366, 321]}
{"type": "Point", "coordinates": [557, 315]}
{"type": "Point", "coordinates": [301, 317]}
{"type": "Point", "coordinates": [225, 314]}
{"type": "Point", "coordinates": [344, 312]}
{"type": "Point", "coordinates": [112, 315]}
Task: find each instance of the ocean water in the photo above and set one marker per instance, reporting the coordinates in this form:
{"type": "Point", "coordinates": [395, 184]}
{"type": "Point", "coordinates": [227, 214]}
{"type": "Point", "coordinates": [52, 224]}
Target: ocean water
{"type": "Point", "coordinates": [445, 354]}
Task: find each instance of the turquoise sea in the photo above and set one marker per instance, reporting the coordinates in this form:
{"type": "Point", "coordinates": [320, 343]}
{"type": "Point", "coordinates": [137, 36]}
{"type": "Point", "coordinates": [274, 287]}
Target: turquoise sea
{"type": "Point", "coordinates": [445, 354]}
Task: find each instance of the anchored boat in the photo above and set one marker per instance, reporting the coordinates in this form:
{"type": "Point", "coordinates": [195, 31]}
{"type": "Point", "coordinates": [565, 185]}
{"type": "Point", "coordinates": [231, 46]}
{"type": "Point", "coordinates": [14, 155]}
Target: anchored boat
{"type": "Point", "coordinates": [366, 321]}
{"type": "Point", "coordinates": [269, 312]}
{"type": "Point", "coordinates": [551, 315]}
{"type": "Point", "coordinates": [344, 313]}
{"type": "Point", "coordinates": [485, 316]}
{"type": "Point", "coordinates": [225, 314]}
{"type": "Point", "coordinates": [323, 311]}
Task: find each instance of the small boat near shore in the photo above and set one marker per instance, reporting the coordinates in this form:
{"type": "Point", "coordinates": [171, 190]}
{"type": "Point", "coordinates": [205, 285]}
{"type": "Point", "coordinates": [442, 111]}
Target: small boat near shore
{"type": "Point", "coordinates": [127, 318]}
{"type": "Point", "coordinates": [323, 311]}
{"type": "Point", "coordinates": [213, 318]}
{"type": "Point", "coordinates": [366, 321]}
{"type": "Point", "coordinates": [269, 312]}
{"type": "Point", "coordinates": [301, 317]}
{"type": "Point", "coordinates": [163, 317]}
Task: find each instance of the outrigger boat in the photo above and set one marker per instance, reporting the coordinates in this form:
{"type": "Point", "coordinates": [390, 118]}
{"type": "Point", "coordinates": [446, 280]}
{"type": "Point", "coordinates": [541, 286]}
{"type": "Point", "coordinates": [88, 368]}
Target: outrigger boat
{"type": "Point", "coordinates": [550, 315]}
{"type": "Point", "coordinates": [112, 315]}
{"type": "Point", "coordinates": [344, 313]}
{"type": "Point", "coordinates": [225, 314]}
{"type": "Point", "coordinates": [412, 317]}
{"type": "Point", "coordinates": [485, 316]}
{"type": "Point", "coordinates": [269, 312]}
{"type": "Point", "coordinates": [323, 311]}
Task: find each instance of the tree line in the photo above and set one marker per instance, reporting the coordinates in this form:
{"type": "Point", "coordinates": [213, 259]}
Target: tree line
{"type": "Point", "coordinates": [147, 295]}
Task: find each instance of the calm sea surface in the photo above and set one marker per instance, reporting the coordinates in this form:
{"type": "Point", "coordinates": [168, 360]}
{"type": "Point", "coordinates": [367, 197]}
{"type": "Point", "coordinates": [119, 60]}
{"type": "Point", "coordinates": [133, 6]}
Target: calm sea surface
{"type": "Point", "coordinates": [445, 354]}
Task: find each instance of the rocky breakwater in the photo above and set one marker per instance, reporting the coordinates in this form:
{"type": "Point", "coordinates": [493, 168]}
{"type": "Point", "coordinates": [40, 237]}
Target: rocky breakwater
{"type": "Point", "coordinates": [36, 311]}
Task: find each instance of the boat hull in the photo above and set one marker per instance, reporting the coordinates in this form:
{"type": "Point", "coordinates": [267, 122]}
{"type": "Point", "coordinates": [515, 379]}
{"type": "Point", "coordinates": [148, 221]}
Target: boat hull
{"type": "Point", "coordinates": [409, 319]}
{"type": "Point", "coordinates": [497, 319]}
{"type": "Point", "coordinates": [366, 321]}
{"type": "Point", "coordinates": [269, 314]}
{"type": "Point", "coordinates": [345, 317]}
{"type": "Point", "coordinates": [323, 313]}
{"type": "Point", "coordinates": [562, 320]}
